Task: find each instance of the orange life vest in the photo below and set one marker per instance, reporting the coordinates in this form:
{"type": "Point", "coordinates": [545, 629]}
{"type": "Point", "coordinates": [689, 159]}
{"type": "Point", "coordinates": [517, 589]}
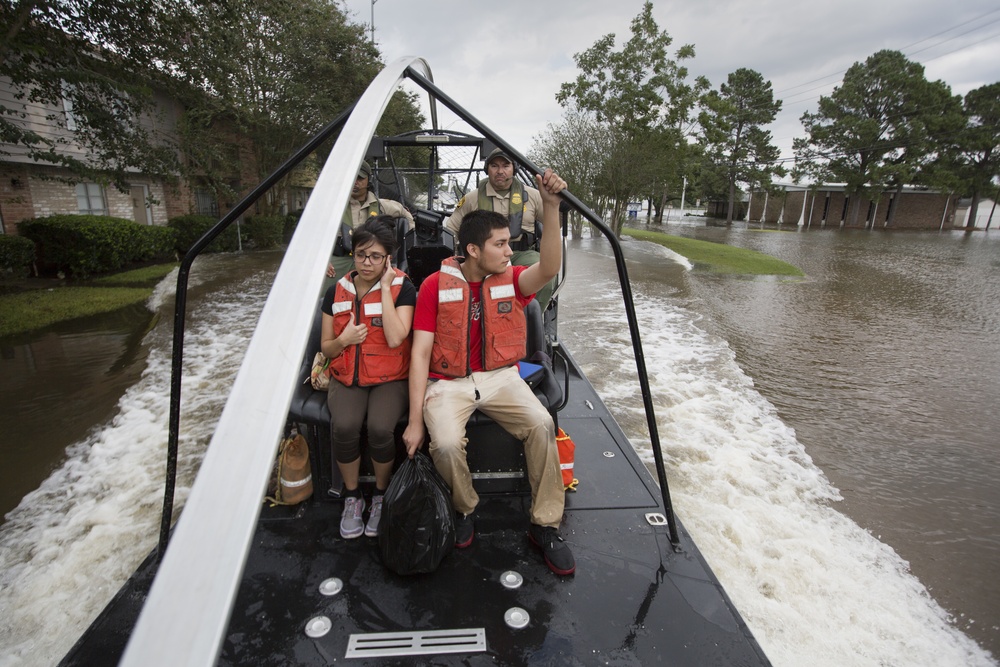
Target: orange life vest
{"type": "Point", "coordinates": [379, 363]}
{"type": "Point", "coordinates": [504, 326]}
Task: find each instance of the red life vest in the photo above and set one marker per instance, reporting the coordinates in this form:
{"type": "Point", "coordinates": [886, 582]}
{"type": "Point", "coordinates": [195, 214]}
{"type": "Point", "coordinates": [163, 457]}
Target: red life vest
{"type": "Point", "coordinates": [504, 326]}
{"type": "Point", "coordinates": [379, 363]}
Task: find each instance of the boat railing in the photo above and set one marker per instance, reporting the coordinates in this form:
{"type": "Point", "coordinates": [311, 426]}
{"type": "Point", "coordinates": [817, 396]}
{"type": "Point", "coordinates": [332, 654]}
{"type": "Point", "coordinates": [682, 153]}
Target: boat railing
{"type": "Point", "coordinates": [188, 606]}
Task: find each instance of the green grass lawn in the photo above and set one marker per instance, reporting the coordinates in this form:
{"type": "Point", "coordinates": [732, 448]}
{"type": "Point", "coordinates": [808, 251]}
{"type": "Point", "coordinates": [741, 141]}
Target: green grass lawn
{"type": "Point", "coordinates": [718, 257]}
{"type": "Point", "coordinates": [40, 306]}
{"type": "Point", "coordinates": [146, 276]}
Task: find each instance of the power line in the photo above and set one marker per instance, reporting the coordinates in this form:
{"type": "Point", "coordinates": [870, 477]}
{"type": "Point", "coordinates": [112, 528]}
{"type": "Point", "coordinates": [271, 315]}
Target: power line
{"type": "Point", "coordinates": [937, 34]}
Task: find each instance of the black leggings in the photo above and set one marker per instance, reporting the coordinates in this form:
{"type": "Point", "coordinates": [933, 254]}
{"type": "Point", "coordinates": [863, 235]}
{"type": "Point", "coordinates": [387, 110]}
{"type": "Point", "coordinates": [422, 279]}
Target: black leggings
{"type": "Point", "coordinates": [383, 405]}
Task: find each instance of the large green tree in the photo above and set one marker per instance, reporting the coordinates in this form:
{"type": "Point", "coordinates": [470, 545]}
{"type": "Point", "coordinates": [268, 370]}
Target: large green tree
{"type": "Point", "coordinates": [974, 161]}
{"type": "Point", "coordinates": [576, 148]}
{"type": "Point", "coordinates": [254, 78]}
{"type": "Point", "coordinates": [880, 128]}
{"type": "Point", "coordinates": [733, 121]}
{"type": "Point", "coordinates": [273, 72]}
{"type": "Point", "coordinates": [642, 95]}
{"type": "Point", "coordinates": [91, 67]}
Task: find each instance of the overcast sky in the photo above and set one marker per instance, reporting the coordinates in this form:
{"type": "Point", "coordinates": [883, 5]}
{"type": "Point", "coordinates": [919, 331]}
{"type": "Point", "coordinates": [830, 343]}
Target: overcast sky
{"type": "Point", "coordinates": [504, 61]}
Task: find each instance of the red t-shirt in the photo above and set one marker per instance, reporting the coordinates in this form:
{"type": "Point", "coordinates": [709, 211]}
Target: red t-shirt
{"type": "Point", "coordinates": [425, 315]}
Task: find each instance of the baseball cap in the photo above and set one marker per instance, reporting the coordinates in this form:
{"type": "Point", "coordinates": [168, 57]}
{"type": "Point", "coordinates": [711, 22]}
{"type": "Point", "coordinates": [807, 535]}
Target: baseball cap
{"type": "Point", "coordinates": [495, 153]}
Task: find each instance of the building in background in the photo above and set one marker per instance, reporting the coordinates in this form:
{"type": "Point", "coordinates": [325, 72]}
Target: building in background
{"type": "Point", "coordinates": [828, 206]}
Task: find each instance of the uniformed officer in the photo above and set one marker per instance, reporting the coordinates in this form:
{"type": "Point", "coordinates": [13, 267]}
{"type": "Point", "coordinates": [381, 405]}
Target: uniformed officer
{"type": "Point", "coordinates": [521, 204]}
{"type": "Point", "coordinates": [362, 205]}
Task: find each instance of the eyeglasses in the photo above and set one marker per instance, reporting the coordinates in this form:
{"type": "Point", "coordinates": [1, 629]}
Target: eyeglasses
{"type": "Point", "coordinates": [374, 257]}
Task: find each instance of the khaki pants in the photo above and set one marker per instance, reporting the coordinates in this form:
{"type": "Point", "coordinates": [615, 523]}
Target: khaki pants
{"type": "Point", "coordinates": [505, 398]}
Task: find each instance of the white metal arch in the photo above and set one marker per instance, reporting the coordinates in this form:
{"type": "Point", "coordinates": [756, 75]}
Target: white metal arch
{"type": "Point", "coordinates": [186, 614]}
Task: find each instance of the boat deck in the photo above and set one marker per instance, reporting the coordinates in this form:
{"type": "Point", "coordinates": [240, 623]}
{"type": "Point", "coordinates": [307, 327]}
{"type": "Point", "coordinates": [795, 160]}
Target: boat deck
{"type": "Point", "coordinates": [633, 600]}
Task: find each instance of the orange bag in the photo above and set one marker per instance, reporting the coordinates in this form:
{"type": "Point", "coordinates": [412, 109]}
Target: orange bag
{"type": "Point", "coordinates": [567, 454]}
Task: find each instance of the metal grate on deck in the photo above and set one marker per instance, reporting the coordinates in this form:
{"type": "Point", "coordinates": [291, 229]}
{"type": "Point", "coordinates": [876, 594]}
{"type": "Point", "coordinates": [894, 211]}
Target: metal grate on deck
{"type": "Point", "coordinates": [428, 642]}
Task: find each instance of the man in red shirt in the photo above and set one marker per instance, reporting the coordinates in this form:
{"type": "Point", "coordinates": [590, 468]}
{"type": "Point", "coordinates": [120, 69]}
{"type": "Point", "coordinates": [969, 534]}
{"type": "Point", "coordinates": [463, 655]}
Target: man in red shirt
{"type": "Point", "coordinates": [453, 372]}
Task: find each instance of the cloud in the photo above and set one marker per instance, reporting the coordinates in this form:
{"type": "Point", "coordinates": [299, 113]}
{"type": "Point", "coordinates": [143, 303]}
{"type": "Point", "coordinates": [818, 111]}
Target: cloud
{"type": "Point", "coordinates": [504, 62]}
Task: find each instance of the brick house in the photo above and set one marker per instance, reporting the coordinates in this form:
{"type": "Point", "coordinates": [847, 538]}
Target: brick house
{"type": "Point", "coordinates": [31, 189]}
{"type": "Point", "coordinates": [829, 206]}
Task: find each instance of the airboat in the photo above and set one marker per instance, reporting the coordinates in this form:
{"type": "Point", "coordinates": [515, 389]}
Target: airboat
{"type": "Point", "coordinates": [240, 582]}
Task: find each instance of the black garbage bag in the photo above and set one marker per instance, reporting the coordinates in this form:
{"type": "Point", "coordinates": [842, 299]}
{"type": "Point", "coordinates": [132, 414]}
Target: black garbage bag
{"type": "Point", "coordinates": [418, 525]}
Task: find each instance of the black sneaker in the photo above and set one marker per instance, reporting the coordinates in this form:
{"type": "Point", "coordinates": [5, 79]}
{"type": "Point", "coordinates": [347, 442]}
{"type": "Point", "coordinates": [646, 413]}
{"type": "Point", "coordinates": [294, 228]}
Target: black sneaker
{"type": "Point", "coordinates": [556, 552]}
{"type": "Point", "coordinates": [464, 530]}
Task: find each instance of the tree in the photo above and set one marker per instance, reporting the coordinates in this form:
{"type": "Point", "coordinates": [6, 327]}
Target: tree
{"type": "Point", "coordinates": [641, 95]}
{"type": "Point", "coordinates": [732, 121]}
{"type": "Point", "coordinates": [273, 72]}
{"type": "Point", "coordinates": [975, 158]}
{"type": "Point", "coordinates": [877, 129]}
{"type": "Point", "coordinates": [254, 78]}
{"type": "Point", "coordinates": [101, 62]}
{"type": "Point", "coordinates": [575, 148]}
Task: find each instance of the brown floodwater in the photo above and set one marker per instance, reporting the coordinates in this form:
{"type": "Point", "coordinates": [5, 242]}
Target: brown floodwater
{"type": "Point", "coordinates": [830, 440]}
{"type": "Point", "coordinates": [885, 360]}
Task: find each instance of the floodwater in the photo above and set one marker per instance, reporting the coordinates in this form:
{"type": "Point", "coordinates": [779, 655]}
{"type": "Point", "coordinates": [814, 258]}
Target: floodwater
{"type": "Point", "coordinates": [827, 438]}
{"type": "Point", "coordinates": [869, 388]}
{"type": "Point", "coordinates": [57, 385]}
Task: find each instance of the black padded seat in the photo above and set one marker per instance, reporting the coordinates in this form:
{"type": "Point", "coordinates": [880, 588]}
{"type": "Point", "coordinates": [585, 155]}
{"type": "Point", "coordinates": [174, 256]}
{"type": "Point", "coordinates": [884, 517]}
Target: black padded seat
{"type": "Point", "coordinates": [498, 468]}
{"type": "Point", "coordinates": [308, 405]}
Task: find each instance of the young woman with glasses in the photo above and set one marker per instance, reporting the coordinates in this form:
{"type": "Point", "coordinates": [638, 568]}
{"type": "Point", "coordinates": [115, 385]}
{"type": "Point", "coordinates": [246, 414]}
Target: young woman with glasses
{"type": "Point", "coordinates": [367, 316]}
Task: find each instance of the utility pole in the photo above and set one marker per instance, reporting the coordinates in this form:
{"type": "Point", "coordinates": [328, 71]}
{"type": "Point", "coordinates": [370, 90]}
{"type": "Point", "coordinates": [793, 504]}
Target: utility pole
{"type": "Point", "coordinates": [683, 190]}
{"type": "Point", "coordinates": [373, 21]}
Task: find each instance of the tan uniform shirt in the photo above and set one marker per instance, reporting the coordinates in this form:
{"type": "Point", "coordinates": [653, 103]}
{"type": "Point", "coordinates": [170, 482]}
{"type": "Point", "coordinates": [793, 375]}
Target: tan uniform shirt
{"type": "Point", "coordinates": [359, 210]}
{"type": "Point", "coordinates": [501, 204]}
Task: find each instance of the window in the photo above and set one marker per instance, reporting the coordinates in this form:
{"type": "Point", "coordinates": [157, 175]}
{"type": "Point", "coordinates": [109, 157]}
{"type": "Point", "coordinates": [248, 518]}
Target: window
{"type": "Point", "coordinates": [205, 203]}
{"type": "Point", "coordinates": [67, 100]}
{"type": "Point", "coordinates": [299, 197]}
{"type": "Point", "coordinates": [90, 199]}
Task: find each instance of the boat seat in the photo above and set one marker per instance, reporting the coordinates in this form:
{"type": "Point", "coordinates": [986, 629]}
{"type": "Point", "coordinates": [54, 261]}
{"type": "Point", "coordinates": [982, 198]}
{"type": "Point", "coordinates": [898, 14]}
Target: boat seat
{"type": "Point", "coordinates": [497, 468]}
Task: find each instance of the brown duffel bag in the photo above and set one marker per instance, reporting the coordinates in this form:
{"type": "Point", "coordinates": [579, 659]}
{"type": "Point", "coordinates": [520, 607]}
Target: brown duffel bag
{"type": "Point", "coordinates": [292, 480]}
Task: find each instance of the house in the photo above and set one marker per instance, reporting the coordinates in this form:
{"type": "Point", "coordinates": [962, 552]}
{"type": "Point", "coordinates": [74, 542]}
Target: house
{"type": "Point", "coordinates": [31, 189]}
{"type": "Point", "coordinates": [912, 207]}
{"type": "Point", "coordinates": [987, 217]}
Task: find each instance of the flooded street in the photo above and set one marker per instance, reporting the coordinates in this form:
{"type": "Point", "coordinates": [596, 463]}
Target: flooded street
{"type": "Point", "coordinates": [76, 537]}
{"type": "Point", "coordinates": [828, 439]}
{"type": "Point", "coordinates": [59, 385]}
{"type": "Point", "coordinates": [884, 363]}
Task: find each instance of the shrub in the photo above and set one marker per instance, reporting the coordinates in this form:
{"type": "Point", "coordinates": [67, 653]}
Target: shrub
{"type": "Point", "coordinates": [84, 244]}
{"type": "Point", "coordinates": [192, 227]}
{"type": "Point", "coordinates": [155, 243]}
{"type": "Point", "coordinates": [291, 222]}
{"type": "Point", "coordinates": [265, 231]}
{"type": "Point", "coordinates": [16, 255]}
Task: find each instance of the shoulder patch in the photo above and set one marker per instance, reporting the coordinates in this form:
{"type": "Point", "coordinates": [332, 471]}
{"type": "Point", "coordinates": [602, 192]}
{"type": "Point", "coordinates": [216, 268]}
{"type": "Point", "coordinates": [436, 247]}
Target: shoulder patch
{"type": "Point", "coordinates": [460, 202]}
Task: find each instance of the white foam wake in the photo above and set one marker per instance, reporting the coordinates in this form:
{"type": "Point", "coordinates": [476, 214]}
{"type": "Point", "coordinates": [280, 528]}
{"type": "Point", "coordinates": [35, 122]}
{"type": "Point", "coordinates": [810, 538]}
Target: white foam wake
{"type": "Point", "coordinates": [70, 544]}
{"type": "Point", "coordinates": [814, 587]}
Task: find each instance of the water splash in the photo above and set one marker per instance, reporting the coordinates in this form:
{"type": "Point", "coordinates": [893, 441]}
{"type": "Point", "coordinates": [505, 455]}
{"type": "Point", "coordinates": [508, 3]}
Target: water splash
{"type": "Point", "coordinates": [814, 587]}
{"type": "Point", "coordinates": [70, 545]}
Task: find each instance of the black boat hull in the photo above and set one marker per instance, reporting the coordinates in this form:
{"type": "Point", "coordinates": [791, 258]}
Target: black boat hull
{"type": "Point", "coordinates": [633, 600]}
